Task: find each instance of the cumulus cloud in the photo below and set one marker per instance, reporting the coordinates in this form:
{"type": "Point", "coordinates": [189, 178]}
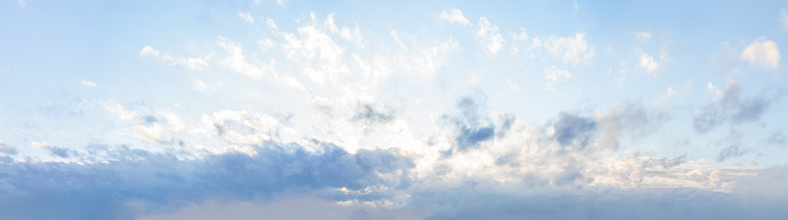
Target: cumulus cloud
{"type": "Point", "coordinates": [312, 43]}
{"type": "Point", "coordinates": [454, 16]}
{"type": "Point", "coordinates": [574, 130]}
{"type": "Point", "coordinates": [574, 49]}
{"type": "Point", "coordinates": [352, 35]}
{"type": "Point", "coordinates": [552, 75]}
{"type": "Point", "coordinates": [647, 62]}
{"type": "Point", "coordinates": [489, 36]}
{"type": "Point", "coordinates": [236, 61]}
{"type": "Point", "coordinates": [762, 54]}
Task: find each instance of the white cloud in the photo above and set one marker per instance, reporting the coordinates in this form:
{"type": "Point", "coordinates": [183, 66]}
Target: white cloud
{"type": "Point", "coordinates": [246, 16]}
{"type": "Point", "coordinates": [266, 44]}
{"type": "Point", "coordinates": [149, 51]}
{"type": "Point", "coordinates": [152, 134]}
{"type": "Point", "coordinates": [202, 86]}
{"type": "Point", "coordinates": [238, 63]}
{"type": "Point", "coordinates": [488, 36]}
{"type": "Point", "coordinates": [121, 112]}
{"type": "Point", "coordinates": [270, 23]}
{"type": "Point", "coordinates": [87, 83]}
{"type": "Point", "coordinates": [21, 3]}
{"type": "Point", "coordinates": [195, 63]}
{"type": "Point", "coordinates": [647, 62]}
{"type": "Point", "coordinates": [396, 39]}
{"type": "Point", "coordinates": [313, 44]}
{"type": "Point", "coordinates": [430, 59]}
{"type": "Point", "coordinates": [762, 54]}
{"type": "Point", "coordinates": [642, 36]}
{"type": "Point", "coordinates": [521, 36]}
{"type": "Point", "coordinates": [345, 32]}
{"type": "Point", "coordinates": [455, 16]}
{"type": "Point", "coordinates": [784, 18]}
{"type": "Point", "coordinates": [198, 63]}
{"type": "Point", "coordinates": [574, 50]}
{"type": "Point", "coordinates": [37, 145]}
{"type": "Point", "coordinates": [553, 74]}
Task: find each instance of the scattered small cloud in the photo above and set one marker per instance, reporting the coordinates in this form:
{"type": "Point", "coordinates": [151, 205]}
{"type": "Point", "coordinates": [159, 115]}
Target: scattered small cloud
{"type": "Point", "coordinates": [730, 106]}
{"type": "Point", "coordinates": [87, 83]}
{"type": "Point", "coordinates": [642, 36]}
{"type": "Point", "coordinates": [195, 63]}
{"type": "Point", "coordinates": [489, 36]}
{"type": "Point", "coordinates": [454, 16]}
{"type": "Point", "coordinates": [552, 75]}
{"type": "Point", "coordinates": [246, 16]}
{"type": "Point", "coordinates": [647, 62]}
{"type": "Point", "coordinates": [574, 49]}
{"type": "Point", "coordinates": [732, 151]}
{"type": "Point", "coordinates": [762, 54]}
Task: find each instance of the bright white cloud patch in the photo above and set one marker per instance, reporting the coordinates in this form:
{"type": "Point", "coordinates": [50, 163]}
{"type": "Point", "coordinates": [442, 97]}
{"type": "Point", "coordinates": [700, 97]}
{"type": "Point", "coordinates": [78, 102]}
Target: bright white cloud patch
{"type": "Point", "coordinates": [236, 60]}
{"type": "Point", "coordinates": [647, 62]}
{"type": "Point", "coordinates": [454, 16]}
{"type": "Point", "coordinates": [762, 54]}
{"type": "Point", "coordinates": [246, 16]}
{"type": "Point", "coordinates": [573, 50]}
{"type": "Point", "coordinates": [121, 111]}
{"type": "Point", "coordinates": [489, 36]}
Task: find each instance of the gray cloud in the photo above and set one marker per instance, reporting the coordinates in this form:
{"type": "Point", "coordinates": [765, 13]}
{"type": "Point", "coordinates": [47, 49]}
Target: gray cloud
{"type": "Point", "coordinates": [731, 107]}
{"type": "Point", "coordinates": [5, 149]}
{"type": "Point", "coordinates": [473, 125]}
{"type": "Point", "coordinates": [373, 114]}
{"type": "Point", "coordinates": [134, 181]}
{"type": "Point", "coordinates": [61, 152]}
{"type": "Point", "coordinates": [777, 138]}
{"type": "Point", "coordinates": [572, 129]}
{"type": "Point", "coordinates": [732, 151]}
{"type": "Point", "coordinates": [630, 118]}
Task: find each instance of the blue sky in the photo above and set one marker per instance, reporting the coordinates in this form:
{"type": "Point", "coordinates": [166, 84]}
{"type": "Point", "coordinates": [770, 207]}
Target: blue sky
{"type": "Point", "coordinates": [415, 110]}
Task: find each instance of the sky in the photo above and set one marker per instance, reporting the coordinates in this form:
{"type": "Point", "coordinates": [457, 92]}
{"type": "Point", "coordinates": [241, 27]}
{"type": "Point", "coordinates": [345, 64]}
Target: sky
{"type": "Point", "coordinates": [287, 109]}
